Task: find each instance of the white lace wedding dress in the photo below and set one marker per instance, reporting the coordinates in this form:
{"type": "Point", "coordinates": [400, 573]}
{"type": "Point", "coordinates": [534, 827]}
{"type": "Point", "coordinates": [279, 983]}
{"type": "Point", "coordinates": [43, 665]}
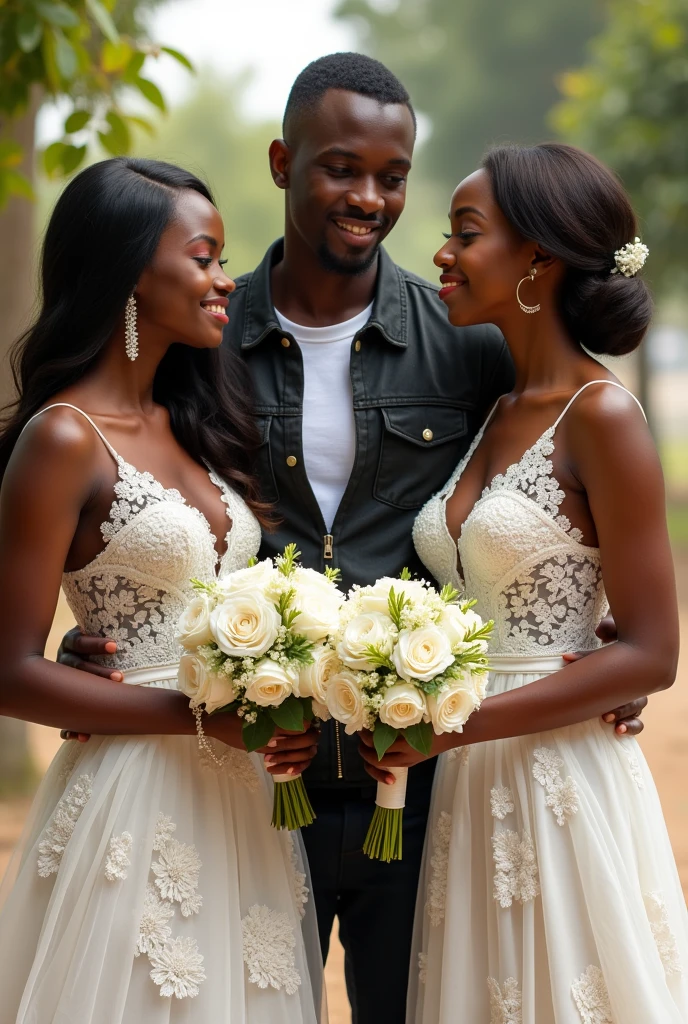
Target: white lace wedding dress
{"type": "Point", "coordinates": [148, 887]}
{"type": "Point", "coordinates": [549, 892]}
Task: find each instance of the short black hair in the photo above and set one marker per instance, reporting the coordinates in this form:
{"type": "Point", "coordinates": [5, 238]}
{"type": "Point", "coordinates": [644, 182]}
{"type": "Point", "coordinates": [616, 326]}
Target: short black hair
{"type": "Point", "coordinates": [353, 72]}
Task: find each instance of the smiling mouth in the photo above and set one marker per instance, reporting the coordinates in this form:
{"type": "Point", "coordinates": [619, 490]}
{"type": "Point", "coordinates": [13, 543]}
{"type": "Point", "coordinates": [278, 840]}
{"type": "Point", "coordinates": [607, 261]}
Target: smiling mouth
{"type": "Point", "coordinates": [356, 229]}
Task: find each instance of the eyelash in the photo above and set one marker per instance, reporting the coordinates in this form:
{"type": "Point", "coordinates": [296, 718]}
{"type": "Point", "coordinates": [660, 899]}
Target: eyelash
{"type": "Point", "coordinates": [463, 235]}
{"type": "Point", "coordinates": [205, 261]}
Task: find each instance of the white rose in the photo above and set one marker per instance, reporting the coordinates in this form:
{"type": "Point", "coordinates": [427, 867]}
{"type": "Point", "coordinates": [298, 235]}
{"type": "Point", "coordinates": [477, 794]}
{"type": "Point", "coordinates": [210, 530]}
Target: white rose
{"type": "Point", "coordinates": [369, 628]}
{"type": "Point", "coordinates": [318, 602]}
{"type": "Point", "coordinates": [345, 702]}
{"type": "Point", "coordinates": [245, 625]}
{"type": "Point", "coordinates": [202, 686]}
{"type": "Point", "coordinates": [422, 653]}
{"type": "Point", "coordinates": [254, 578]}
{"type": "Point", "coordinates": [404, 705]}
{"type": "Point", "coordinates": [314, 679]}
{"type": "Point", "coordinates": [193, 628]}
{"type": "Point", "coordinates": [455, 624]}
{"type": "Point", "coordinates": [378, 598]}
{"type": "Point", "coordinates": [270, 684]}
{"type": "Point", "coordinates": [321, 711]}
{"type": "Point", "coordinates": [450, 708]}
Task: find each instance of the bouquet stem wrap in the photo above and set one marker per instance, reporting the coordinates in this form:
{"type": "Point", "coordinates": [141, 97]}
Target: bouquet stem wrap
{"type": "Point", "coordinates": [384, 839]}
{"type": "Point", "coordinates": [291, 807]}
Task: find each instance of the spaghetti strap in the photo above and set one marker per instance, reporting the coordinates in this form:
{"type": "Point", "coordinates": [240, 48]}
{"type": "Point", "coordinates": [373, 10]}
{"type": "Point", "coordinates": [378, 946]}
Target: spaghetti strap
{"type": "Point", "coordinates": [590, 382]}
{"type": "Point", "coordinates": [67, 405]}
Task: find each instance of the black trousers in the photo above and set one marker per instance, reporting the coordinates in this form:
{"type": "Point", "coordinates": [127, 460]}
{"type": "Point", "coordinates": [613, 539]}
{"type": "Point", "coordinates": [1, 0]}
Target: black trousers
{"type": "Point", "coordinates": [374, 901]}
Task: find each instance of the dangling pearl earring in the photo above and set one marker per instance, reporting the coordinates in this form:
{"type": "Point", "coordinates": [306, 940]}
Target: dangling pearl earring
{"type": "Point", "coordinates": [530, 277]}
{"type": "Point", "coordinates": [131, 335]}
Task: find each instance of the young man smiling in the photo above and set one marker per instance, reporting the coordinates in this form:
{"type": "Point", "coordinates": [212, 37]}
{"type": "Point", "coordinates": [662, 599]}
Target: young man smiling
{"type": "Point", "coordinates": [366, 399]}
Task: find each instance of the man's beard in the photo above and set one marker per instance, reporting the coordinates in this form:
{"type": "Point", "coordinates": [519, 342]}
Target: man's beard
{"type": "Point", "coordinates": [351, 266]}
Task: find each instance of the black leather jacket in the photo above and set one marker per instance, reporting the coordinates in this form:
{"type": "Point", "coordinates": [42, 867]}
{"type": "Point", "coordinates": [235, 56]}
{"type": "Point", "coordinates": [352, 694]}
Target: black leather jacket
{"type": "Point", "coordinates": [421, 390]}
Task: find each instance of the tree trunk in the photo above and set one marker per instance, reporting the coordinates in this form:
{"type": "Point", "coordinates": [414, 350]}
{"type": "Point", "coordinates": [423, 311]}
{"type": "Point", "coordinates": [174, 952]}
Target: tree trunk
{"type": "Point", "coordinates": [17, 294]}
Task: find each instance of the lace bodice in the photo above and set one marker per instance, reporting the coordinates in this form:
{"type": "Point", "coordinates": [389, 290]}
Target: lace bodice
{"type": "Point", "coordinates": [135, 589]}
{"type": "Point", "coordinates": [523, 562]}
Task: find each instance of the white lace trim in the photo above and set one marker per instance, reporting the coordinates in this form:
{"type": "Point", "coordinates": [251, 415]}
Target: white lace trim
{"type": "Point", "coordinates": [422, 968]}
{"type": "Point", "coordinates": [73, 754]}
{"type": "Point", "coordinates": [268, 940]}
{"type": "Point", "coordinates": [516, 873]}
{"type": "Point", "coordinates": [591, 997]}
{"type": "Point", "coordinates": [505, 1002]}
{"type": "Point", "coordinates": [437, 885]}
{"type": "Point", "coordinates": [667, 946]}
{"type": "Point", "coordinates": [561, 794]}
{"type": "Point", "coordinates": [118, 861]}
{"type": "Point", "coordinates": [59, 830]}
{"type": "Point", "coordinates": [298, 877]}
{"type": "Point", "coordinates": [501, 802]}
{"type": "Point", "coordinates": [177, 967]}
{"type": "Point", "coordinates": [634, 769]}
{"type": "Point", "coordinates": [460, 753]}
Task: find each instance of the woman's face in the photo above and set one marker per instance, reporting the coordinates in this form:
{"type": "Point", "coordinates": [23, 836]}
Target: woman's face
{"type": "Point", "coordinates": [183, 293]}
{"type": "Point", "coordinates": [483, 259]}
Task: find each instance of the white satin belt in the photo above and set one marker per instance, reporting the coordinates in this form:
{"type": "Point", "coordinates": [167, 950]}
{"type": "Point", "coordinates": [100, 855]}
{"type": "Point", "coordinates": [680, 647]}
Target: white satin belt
{"type": "Point", "coordinates": [151, 675]}
{"type": "Point", "coordinates": [526, 664]}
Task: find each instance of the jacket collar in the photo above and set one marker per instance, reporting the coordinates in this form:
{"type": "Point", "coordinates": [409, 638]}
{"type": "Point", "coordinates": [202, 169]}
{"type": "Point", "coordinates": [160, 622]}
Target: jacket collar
{"type": "Point", "coordinates": [389, 306]}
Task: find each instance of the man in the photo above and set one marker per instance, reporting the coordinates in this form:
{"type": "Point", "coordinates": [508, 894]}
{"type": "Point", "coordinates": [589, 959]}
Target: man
{"type": "Point", "coordinates": [367, 399]}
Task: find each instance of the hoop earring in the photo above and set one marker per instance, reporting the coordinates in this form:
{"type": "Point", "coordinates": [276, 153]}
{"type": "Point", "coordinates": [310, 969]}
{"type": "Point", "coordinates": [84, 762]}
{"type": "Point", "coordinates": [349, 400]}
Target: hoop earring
{"type": "Point", "coordinates": [530, 277]}
{"type": "Point", "coordinates": [131, 335]}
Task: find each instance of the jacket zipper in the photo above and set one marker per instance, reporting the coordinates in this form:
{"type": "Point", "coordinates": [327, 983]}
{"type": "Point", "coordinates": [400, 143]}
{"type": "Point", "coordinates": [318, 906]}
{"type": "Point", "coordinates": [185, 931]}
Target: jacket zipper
{"type": "Point", "coordinates": [340, 773]}
{"type": "Point", "coordinates": [328, 542]}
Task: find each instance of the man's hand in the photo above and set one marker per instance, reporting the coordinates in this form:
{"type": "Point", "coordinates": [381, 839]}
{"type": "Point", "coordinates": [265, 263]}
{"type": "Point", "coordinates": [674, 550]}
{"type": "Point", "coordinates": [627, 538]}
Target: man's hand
{"type": "Point", "coordinates": [399, 755]}
{"type": "Point", "coordinates": [75, 651]}
{"type": "Point", "coordinates": [626, 719]}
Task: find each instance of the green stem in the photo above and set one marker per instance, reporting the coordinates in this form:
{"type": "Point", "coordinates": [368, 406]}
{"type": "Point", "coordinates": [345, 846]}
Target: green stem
{"type": "Point", "coordinates": [291, 808]}
{"type": "Point", "coordinates": [384, 839]}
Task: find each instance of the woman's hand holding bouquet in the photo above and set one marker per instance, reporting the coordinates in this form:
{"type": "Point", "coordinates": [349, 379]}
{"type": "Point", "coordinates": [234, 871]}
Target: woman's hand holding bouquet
{"type": "Point", "coordinates": [414, 666]}
{"type": "Point", "coordinates": [255, 646]}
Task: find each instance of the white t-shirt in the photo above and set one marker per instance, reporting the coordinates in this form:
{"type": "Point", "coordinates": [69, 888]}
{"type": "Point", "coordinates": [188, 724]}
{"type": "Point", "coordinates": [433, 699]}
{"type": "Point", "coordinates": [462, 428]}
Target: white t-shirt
{"type": "Point", "coordinates": [329, 429]}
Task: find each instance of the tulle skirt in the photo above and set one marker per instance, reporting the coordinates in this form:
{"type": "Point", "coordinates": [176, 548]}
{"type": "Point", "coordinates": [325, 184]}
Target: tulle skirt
{"type": "Point", "coordinates": [549, 892]}
{"type": "Point", "coordinates": [147, 887]}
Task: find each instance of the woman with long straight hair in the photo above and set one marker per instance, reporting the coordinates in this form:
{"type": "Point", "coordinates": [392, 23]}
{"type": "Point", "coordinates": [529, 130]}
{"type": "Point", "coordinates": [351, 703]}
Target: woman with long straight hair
{"type": "Point", "coordinates": [549, 893]}
{"type": "Point", "coordinates": [149, 884]}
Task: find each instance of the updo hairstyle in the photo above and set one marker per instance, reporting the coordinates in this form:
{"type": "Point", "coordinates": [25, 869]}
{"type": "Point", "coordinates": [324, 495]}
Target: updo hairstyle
{"type": "Point", "coordinates": [576, 209]}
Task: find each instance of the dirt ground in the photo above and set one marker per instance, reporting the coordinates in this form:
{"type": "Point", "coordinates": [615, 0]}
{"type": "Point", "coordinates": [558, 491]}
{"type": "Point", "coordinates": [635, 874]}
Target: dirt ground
{"type": "Point", "coordinates": [665, 743]}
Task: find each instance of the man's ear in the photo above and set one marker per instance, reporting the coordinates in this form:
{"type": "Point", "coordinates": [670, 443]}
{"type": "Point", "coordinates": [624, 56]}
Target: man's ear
{"type": "Point", "coordinates": [280, 159]}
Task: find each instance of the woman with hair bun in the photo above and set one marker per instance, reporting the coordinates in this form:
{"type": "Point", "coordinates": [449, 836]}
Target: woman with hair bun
{"type": "Point", "coordinates": [148, 885]}
{"type": "Point", "coordinates": [549, 893]}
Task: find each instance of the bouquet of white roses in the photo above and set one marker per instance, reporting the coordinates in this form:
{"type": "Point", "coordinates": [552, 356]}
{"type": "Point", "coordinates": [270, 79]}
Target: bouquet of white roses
{"type": "Point", "coordinates": [255, 645]}
{"type": "Point", "coordinates": [414, 661]}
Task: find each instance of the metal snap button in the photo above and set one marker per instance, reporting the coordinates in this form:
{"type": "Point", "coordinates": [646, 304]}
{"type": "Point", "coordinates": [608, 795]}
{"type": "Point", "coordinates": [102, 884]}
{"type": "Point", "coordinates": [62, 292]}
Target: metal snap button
{"type": "Point", "coordinates": [291, 460]}
{"type": "Point", "coordinates": [428, 434]}
{"type": "Point", "coordinates": [285, 343]}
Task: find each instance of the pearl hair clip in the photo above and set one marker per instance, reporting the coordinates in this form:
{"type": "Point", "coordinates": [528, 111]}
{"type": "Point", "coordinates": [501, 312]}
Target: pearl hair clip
{"type": "Point", "coordinates": [630, 258]}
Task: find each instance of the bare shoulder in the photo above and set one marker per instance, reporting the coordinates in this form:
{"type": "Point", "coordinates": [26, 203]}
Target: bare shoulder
{"type": "Point", "coordinates": [58, 440]}
{"type": "Point", "coordinates": [607, 425]}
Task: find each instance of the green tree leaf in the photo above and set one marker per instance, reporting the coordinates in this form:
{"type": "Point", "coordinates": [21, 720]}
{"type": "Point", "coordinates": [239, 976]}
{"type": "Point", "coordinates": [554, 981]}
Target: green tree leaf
{"type": "Point", "coordinates": [259, 733]}
{"type": "Point", "coordinates": [151, 92]}
{"type": "Point", "coordinates": [29, 31]}
{"type": "Point", "coordinates": [72, 157]}
{"type": "Point", "coordinates": [134, 65]}
{"type": "Point", "coordinates": [115, 57]}
{"type": "Point", "coordinates": [11, 153]}
{"type": "Point", "coordinates": [142, 123]}
{"type": "Point", "coordinates": [65, 56]}
{"type": "Point", "coordinates": [289, 715]}
{"type": "Point", "coordinates": [57, 13]}
{"type": "Point", "coordinates": [420, 737]}
{"type": "Point", "coordinates": [77, 121]}
{"type": "Point", "coordinates": [184, 61]}
{"type": "Point", "coordinates": [118, 140]}
{"type": "Point", "coordinates": [383, 738]}
{"type": "Point", "coordinates": [52, 157]}
{"type": "Point", "coordinates": [16, 184]}
{"type": "Point", "coordinates": [103, 20]}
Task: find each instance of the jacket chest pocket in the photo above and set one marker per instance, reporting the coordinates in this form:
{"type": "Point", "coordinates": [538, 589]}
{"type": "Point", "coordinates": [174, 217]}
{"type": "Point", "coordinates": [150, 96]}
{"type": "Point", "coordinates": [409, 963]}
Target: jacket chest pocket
{"type": "Point", "coordinates": [264, 465]}
{"type": "Point", "coordinates": [421, 446]}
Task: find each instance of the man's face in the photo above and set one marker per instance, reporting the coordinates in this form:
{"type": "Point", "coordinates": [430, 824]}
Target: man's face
{"type": "Point", "coordinates": [345, 171]}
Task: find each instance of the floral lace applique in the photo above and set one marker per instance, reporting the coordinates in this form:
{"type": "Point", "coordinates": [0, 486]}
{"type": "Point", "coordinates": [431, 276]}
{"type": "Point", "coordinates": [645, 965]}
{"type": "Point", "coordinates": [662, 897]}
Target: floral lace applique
{"type": "Point", "coordinates": [177, 871]}
{"type": "Point", "coordinates": [163, 831]}
{"type": "Point", "coordinates": [422, 968]}
{"type": "Point", "coordinates": [561, 794]}
{"type": "Point", "coordinates": [268, 939]}
{"type": "Point", "coordinates": [72, 756]}
{"type": "Point", "coordinates": [667, 946]}
{"type": "Point", "coordinates": [516, 873]}
{"type": "Point", "coordinates": [177, 967]}
{"type": "Point", "coordinates": [591, 997]}
{"type": "Point", "coordinates": [460, 753]}
{"type": "Point", "coordinates": [505, 1002]}
{"type": "Point", "coordinates": [437, 886]}
{"type": "Point", "coordinates": [118, 861]}
{"type": "Point", "coordinates": [154, 931]}
{"type": "Point", "coordinates": [61, 826]}
{"type": "Point", "coordinates": [301, 890]}
{"type": "Point", "coordinates": [634, 769]}
{"type": "Point", "coordinates": [501, 802]}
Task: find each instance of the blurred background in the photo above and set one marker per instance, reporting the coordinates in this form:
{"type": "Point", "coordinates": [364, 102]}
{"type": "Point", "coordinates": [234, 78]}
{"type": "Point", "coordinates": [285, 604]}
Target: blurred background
{"type": "Point", "coordinates": [203, 83]}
